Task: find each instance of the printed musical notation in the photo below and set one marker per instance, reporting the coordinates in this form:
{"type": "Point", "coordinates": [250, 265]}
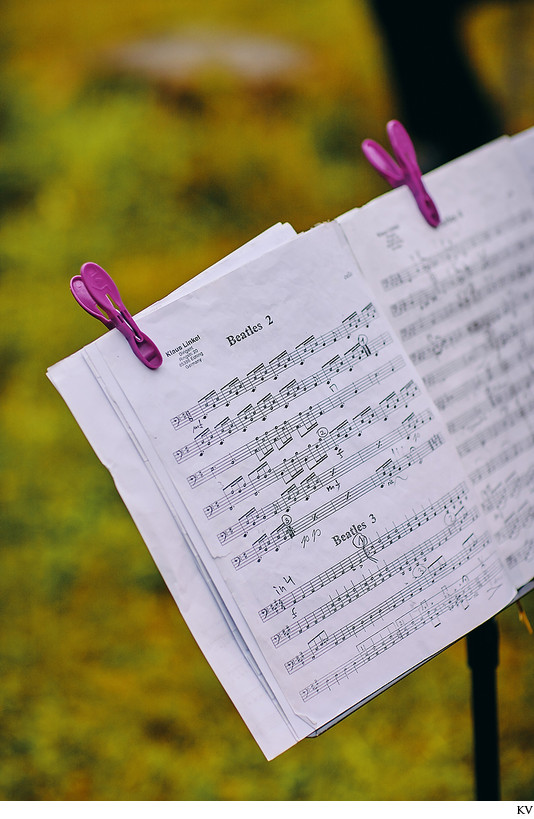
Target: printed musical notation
{"type": "Point", "coordinates": [416, 563]}
{"type": "Point", "coordinates": [502, 460]}
{"type": "Point", "coordinates": [435, 572]}
{"type": "Point", "coordinates": [312, 483]}
{"type": "Point", "coordinates": [287, 470]}
{"type": "Point", "coordinates": [285, 361]}
{"type": "Point", "coordinates": [426, 296]}
{"type": "Point", "coordinates": [472, 297]}
{"type": "Point", "coordinates": [386, 474]}
{"type": "Point", "coordinates": [450, 506]}
{"type": "Point", "coordinates": [510, 420]}
{"type": "Point", "coordinates": [457, 594]}
{"type": "Point", "coordinates": [437, 343]}
{"type": "Point", "coordinates": [496, 499]}
{"type": "Point", "coordinates": [282, 434]}
{"type": "Point", "coordinates": [467, 327]}
{"type": "Point", "coordinates": [462, 249]}
{"type": "Point", "coordinates": [491, 373]}
{"type": "Point", "coordinates": [522, 555]}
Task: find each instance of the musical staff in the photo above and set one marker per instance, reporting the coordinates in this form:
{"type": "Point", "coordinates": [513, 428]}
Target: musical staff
{"type": "Point", "coordinates": [275, 368]}
{"type": "Point", "coordinates": [463, 362]}
{"type": "Point", "coordinates": [471, 297]}
{"type": "Point", "coordinates": [414, 562]}
{"type": "Point", "coordinates": [428, 613]}
{"type": "Point", "coordinates": [491, 372]}
{"type": "Point", "coordinates": [504, 457]}
{"type": "Point", "coordinates": [523, 554]}
{"type": "Point", "coordinates": [437, 571]}
{"type": "Point", "coordinates": [313, 455]}
{"type": "Point", "coordinates": [313, 483]}
{"type": "Point", "coordinates": [495, 398]}
{"type": "Point", "coordinates": [516, 523]}
{"type": "Point", "coordinates": [462, 248]}
{"type": "Point", "coordinates": [509, 421]}
{"type": "Point", "coordinates": [384, 475]}
{"type": "Point", "coordinates": [451, 504]}
{"type": "Point", "coordinates": [498, 497]}
{"type": "Point", "coordinates": [438, 344]}
{"type": "Point", "coordinates": [282, 434]}
{"type": "Point", "coordinates": [421, 299]}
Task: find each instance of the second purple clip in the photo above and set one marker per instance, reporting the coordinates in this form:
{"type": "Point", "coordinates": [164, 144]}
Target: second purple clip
{"type": "Point", "coordinates": [403, 170]}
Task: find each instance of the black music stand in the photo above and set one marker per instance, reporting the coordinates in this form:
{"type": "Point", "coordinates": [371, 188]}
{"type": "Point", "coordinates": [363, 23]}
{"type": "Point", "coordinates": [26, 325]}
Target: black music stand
{"type": "Point", "coordinates": [483, 659]}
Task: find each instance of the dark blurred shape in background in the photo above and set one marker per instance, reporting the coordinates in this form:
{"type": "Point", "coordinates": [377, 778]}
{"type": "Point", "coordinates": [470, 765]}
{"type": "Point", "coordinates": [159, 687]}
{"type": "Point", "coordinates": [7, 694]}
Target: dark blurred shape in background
{"type": "Point", "coordinates": [441, 100]}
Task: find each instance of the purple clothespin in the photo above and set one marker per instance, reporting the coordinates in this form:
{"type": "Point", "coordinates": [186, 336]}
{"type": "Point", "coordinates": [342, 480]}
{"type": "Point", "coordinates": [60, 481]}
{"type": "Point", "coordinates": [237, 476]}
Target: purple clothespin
{"type": "Point", "coordinates": [404, 171]}
{"type": "Point", "coordinates": [97, 293]}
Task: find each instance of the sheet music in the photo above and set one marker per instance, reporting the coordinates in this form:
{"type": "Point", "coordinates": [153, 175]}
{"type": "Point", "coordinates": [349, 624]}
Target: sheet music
{"type": "Point", "coordinates": [311, 474]}
{"type": "Point", "coordinates": [461, 299]}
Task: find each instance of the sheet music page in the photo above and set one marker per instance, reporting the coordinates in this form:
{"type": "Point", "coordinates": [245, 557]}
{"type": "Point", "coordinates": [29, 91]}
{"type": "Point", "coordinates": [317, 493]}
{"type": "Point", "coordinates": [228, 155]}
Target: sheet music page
{"type": "Point", "coordinates": [461, 298]}
{"type": "Point", "coordinates": [311, 476]}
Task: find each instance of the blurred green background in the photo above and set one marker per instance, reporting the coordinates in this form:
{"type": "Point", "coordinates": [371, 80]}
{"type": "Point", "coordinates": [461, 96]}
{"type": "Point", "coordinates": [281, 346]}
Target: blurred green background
{"type": "Point", "coordinates": [103, 692]}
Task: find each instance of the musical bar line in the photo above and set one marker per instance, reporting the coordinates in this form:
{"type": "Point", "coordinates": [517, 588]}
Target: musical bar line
{"type": "Point", "coordinates": [494, 399]}
{"type": "Point", "coordinates": [501, 369]}
{"type": "Point", "coordinates": [427, 295]}
{"type": "Point", "coordinates": [466, 300]}
{"type": "Point", "coordinates": [493, 430]}
{"type": "Point", "coordinates": [264, 475]}
{"type": "Point", "coordinates": [409, 274]}
{"type": "Point", "coordinates": [502, 459]}
{"type": "Point", "coordinates": [437, 344]}
{"type": "Point", "coordinates": [429, 612]}
{"type": "Point", "coordinates": [496, 498]}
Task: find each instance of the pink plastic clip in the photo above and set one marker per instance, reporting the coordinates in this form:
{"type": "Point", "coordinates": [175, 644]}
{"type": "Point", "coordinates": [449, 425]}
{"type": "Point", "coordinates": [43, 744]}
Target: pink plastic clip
{"type": "Point", "coordinates": [404, 171]}
{"type": "Point", "coordinates": [97, 293]}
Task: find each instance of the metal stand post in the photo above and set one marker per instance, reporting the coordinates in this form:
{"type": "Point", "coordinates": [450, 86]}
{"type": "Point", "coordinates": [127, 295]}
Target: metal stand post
{"type": "Point", "coordinates": [483, 659]}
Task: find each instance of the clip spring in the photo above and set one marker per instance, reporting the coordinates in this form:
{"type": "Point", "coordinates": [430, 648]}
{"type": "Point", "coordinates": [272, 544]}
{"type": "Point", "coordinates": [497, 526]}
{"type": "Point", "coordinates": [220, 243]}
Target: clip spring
{"type": "Point", "coordinates": [97, 293]}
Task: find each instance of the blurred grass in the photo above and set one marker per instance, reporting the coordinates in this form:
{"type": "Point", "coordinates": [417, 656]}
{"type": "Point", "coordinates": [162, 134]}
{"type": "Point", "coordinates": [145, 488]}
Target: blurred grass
{"type": "Point", "coordinates": [104, 694]}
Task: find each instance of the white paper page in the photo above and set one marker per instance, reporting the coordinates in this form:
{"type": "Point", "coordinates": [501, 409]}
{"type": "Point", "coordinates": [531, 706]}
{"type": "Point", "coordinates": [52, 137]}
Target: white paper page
{"type": "Point", "coordinates": [269, 239]}
{"type": "Point", "coordinates": [461, 299]}
{"type": "Point", "coordinates": [310, 474]}
{"type": "Point", "coordinates": [155, 521]}
{"type": "Point", "coordinates": [523, 145]}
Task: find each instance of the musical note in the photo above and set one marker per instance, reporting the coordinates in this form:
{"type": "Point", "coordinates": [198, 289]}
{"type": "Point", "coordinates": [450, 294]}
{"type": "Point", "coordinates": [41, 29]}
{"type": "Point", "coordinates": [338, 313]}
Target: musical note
{"type": "Point", "coordinates": [505, 456]}
{"type": "Point", "coordinates": [490, 432]}
{"type": "Point", "coordinates": [440, 569]}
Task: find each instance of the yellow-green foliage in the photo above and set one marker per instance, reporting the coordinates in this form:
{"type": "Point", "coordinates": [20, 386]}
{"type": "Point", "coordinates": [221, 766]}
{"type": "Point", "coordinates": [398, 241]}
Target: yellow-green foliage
{"type": "Point", "coordinates": [104, 695]}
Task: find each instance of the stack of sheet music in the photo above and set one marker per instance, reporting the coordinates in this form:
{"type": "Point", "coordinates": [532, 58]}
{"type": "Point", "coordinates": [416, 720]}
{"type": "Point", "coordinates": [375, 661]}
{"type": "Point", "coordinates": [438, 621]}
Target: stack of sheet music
{"type": "Point", "coordinates": [333, 468]}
